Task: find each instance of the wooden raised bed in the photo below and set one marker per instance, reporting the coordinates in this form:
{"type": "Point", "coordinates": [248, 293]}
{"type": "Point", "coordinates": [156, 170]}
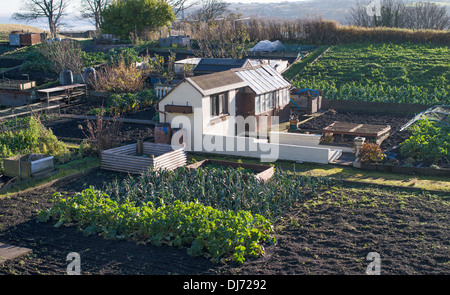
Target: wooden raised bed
{"type": "Point", "coordinates": [139, 157]}
{"type": "Point", "coordinates": [377, 132]}
{"type": "Point", "coordinates": [263, 172]}
{"type": "Point", "coordinates": [19, 85]}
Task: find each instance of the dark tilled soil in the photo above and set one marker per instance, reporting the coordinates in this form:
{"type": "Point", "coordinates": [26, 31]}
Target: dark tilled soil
{"type": "Point", "coordinates": [84, 108]}
{"type": "Point", "coordinates": [39, 77]}
{"type": "Point", "coordinates": [396, 121]}
{"type": "Point", "coordinates": [10, 62]}
{"type": "Point", "coordinates": [129, 133]}
{"type": "Point", "coordinates": [329, 234]}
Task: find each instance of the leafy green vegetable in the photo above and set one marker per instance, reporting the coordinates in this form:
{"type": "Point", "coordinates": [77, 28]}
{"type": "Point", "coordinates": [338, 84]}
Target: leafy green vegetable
{"type": "Point", "coordinates": [201, 229]}
{"type": "Point", "coordinates": [384, 72]}
{"type": "Point", "coordinates": [430, 141]}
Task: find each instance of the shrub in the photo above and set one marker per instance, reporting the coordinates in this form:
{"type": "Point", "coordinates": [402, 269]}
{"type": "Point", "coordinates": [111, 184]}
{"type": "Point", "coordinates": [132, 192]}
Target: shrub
{"type": "Point", "coordinates": [102, 135]}
{"type": "Point", "coordinates": [120, 78]}
{"type": "Point", "coordinates": [35, 61]}
{"type": "Point", "coordinates": [123, 56]}
{"type": "Point", "coordinates": [371, 153]}
{"type": "Point", "coordinates": [34, 138]}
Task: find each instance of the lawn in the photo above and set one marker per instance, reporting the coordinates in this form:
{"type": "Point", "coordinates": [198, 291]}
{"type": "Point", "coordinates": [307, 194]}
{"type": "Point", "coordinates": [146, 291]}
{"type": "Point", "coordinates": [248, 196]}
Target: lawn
{"type": "Point", "coordinates": [406, 73]}
{"type": "Point", "coordinates": [6, 29]}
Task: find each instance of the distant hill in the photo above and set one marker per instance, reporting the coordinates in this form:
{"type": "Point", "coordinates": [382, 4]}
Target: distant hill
{"type": "Point", "coordinates": [6, 29]}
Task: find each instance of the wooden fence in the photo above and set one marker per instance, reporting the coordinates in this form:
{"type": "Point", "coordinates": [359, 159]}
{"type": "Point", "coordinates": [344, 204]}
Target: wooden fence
{"type": "Point", "coordinates": [139, 157]}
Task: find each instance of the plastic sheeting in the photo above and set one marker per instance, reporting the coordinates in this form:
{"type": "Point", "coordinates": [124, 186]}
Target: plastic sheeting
{"type": "Point", "coordinates": [268, 46]}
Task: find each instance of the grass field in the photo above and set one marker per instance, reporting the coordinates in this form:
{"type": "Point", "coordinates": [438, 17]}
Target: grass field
{"type": "Point", "coordinates": [5, 29]}
{"type": "Point", "coordinates": [407, 73]}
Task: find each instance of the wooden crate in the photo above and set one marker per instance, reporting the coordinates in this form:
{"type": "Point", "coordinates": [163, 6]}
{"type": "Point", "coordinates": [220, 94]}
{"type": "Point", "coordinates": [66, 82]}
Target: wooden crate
{"type": "Point", "coordinates": [262, 172]}
{"type": "Point", "coordinates": [139, 157]}
{"type": "Point", "coordinates": [16, 84]}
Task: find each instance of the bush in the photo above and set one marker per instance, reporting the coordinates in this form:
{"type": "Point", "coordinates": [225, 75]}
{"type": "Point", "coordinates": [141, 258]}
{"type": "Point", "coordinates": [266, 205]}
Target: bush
{"type": "Point", "coordinates": [34, 138]}
{"type": "Point", "coordinates": [371, 153]}
{"type": "Point", "coordinates": [120, 78]}
{"type": "Point", "coordinates": [35, 61]}
{"type": "Point", "coordinates": [101, 135]}
{"type": "Point", "coordinates": [430, 141]}
{"type": "Point", "coordinates": [123, 56]}
{"type": "Point", "coordinates": [205, 231]}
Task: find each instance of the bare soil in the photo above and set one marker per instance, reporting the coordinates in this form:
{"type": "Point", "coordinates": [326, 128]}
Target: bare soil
{"type": "Point", "coordinates": [77, 129]}
{"type": "Point", "coordinates": [328, 234]}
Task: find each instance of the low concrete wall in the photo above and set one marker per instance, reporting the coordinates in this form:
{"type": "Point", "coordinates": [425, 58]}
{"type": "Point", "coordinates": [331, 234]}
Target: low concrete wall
{"type": "Point", "coordinates": [266, 152]}
{"type": "Point", "coordinates": [364, 106]}
{"type": "Point", "coordinates": [295, 138]}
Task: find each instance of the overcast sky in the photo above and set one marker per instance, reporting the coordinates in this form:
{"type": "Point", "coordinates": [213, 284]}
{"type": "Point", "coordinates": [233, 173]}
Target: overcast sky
{"type": "Point", "coordinates": [8, 7]}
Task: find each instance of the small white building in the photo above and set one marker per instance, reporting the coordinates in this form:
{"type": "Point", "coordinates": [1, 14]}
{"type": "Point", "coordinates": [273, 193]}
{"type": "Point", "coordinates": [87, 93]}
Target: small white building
{"type": "Point", "coordinates": [210, 104]}
{"type": "Point", "coordinates": [231, 113]}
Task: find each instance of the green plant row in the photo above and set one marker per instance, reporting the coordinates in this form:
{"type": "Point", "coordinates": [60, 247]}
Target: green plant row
{"type": "Point", "coordinates": [297, 68]}
{"type": "Point", "coordinates": [383, 72]}
{"type": "Point", "coordinates": [223, 189]}
{"type": "Point", "coordinates": [409, 94]}
{"type": "Point", "coordinates": [203, 230]}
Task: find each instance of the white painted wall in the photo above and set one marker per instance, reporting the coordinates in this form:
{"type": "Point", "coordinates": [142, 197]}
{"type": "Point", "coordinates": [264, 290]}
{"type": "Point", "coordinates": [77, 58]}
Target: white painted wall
{"type": "Point", "coordinates": [222, 128]}
{"type": "Point", "coordinates": [295, 138]}
{"type": "Point", "coordinates": [267, 152]}
{"type": "Point", "coordinates": [182, 94]}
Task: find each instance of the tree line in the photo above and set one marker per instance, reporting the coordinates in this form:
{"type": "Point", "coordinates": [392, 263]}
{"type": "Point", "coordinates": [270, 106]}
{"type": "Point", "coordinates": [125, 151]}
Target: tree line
{"type": "Point", "coordinates": [127, 18]}
{"type": "Point", "coordinates": [120, 17]}
{"type": "Point", "coordinates": [399, 14]}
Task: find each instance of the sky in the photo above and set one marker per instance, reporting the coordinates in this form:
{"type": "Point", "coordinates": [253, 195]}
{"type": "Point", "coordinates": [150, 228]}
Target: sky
{"type": "Point", "coordinates": [8, 7]}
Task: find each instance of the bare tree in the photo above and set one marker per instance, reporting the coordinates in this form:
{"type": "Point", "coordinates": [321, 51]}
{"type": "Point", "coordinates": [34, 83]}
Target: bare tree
{"type": "Point", "coordinates": [225, 38]}
{"type": "Point", "coordinates": [396, 13]}
{"type": "Point", "coordinates": [93, 9]}
{"type": "Point", "coordinates": [426, 15]}
{"type": "Point", "coordinates": [366, 13]}
{"type": "Point", "coordinates": [211, 9]}
{"type": "Point", "coordinates": [64, 56]}
{"type": "Point", "coordinates": [53, 10]}
{"type": "Point", "coordinates": [179, 6]}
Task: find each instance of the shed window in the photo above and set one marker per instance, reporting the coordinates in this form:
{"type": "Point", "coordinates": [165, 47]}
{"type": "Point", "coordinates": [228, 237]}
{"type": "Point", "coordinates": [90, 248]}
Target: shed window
{"type": "Point", "coordinates": [219, 104]}
{"type": "Point", "coordinates": [258, 104]}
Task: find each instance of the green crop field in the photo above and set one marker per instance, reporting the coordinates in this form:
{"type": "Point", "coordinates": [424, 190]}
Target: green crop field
{"type": "Point", "coordinates": [405, 73]}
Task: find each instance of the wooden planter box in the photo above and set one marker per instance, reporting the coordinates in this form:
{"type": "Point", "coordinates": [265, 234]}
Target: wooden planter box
{"type": "Point", "coordinates": [139, 157]}
{"type": "Point", "coordinates": [263, 172]}
{"type": "Point", "coordinates": [19, 85]}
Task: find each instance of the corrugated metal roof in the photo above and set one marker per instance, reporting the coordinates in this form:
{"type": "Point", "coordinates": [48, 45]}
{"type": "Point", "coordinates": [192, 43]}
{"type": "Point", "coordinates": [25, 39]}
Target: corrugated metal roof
{"type": "Point", "coordinates": [262, 79]}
